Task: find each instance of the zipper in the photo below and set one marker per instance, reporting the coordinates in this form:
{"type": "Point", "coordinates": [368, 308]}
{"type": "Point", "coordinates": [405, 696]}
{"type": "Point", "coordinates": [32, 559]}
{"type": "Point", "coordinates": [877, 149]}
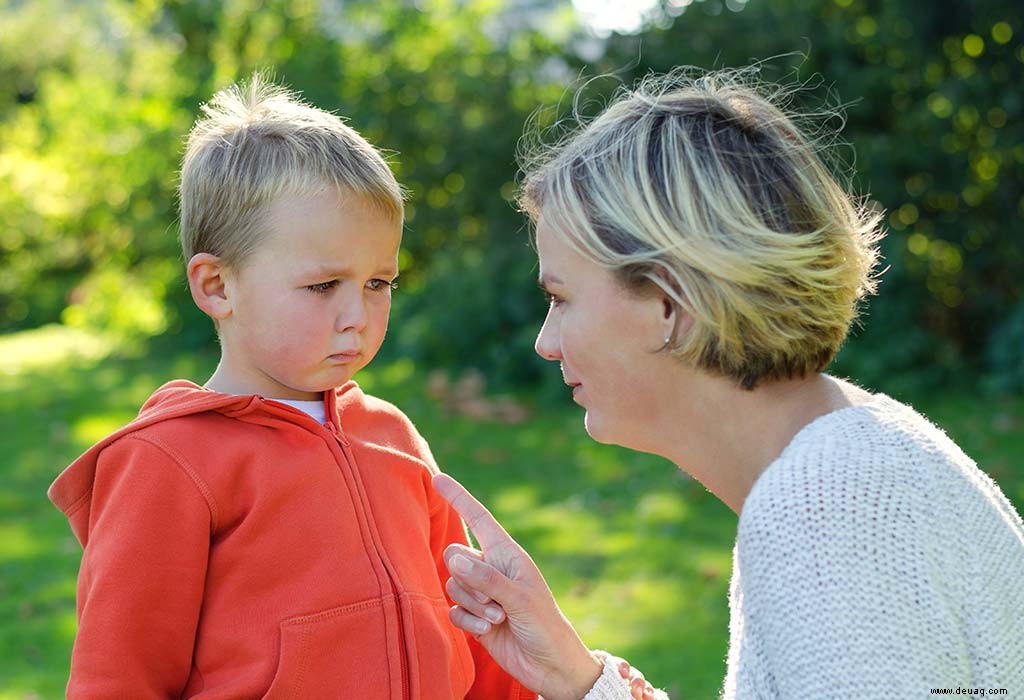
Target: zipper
{"type": "Point", "coordinates": [336, 433]}
{"type": "Point", "coordinates": [403, 652]}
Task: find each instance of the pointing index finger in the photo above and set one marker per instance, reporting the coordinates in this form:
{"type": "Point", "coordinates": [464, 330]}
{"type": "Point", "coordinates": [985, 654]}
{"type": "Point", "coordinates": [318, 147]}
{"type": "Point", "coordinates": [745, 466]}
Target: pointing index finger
{"type": "Point", "coordinates": [488, 532]}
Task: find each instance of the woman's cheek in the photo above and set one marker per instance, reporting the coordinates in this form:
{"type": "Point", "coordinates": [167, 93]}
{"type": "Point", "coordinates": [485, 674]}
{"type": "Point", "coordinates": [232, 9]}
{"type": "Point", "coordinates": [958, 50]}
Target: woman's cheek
{"type": "Point", "coordinates": [569, 341]}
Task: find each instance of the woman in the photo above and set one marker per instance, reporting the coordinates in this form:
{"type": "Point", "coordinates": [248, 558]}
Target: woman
{"type": "Point", "coordinates": [703, 268]}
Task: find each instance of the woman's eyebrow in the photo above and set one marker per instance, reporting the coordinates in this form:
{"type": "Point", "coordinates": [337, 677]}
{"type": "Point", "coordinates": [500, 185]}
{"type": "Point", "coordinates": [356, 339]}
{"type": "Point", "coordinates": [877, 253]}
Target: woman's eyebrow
{"type": "Point", "coordinates": [544, 281]}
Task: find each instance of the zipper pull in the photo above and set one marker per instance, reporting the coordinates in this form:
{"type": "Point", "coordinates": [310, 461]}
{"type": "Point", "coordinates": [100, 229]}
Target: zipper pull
{"type": "Point", "coordinates": [336, 432]}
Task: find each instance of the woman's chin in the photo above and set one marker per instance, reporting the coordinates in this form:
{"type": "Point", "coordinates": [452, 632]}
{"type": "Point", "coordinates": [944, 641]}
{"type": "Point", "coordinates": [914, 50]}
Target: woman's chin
{"type": "Point", "coordinates": [596, 429]}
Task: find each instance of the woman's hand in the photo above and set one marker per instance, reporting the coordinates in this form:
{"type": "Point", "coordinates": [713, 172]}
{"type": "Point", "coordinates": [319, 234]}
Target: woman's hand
{"type": "Point", "coordinates": [529, 637]}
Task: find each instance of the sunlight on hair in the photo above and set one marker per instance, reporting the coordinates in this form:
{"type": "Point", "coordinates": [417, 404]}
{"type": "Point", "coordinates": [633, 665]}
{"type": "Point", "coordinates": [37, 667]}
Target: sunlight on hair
{"type": "Point", "coordinates": [714, 189]}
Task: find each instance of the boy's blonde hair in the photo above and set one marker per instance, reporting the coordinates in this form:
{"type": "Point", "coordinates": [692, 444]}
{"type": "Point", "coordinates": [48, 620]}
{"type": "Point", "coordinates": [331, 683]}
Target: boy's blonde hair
{"type": "Point", "coordinates": [702, 188]}
{"type": "Point", "coordinates": [255, 142]}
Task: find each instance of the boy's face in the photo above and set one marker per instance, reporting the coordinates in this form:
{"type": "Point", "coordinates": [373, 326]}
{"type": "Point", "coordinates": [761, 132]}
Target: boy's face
{"type": "Point", "coordinates": [309, 308]}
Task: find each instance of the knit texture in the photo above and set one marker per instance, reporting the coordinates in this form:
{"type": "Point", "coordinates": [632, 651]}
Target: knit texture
{"type": "Point", "coordinates": [874, 559]}
{"type": "Point", "coordinates": [611, 686]}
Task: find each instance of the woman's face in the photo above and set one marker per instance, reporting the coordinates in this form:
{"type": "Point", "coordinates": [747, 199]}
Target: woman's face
{"type": "Point", "coordinates": [605, 338]}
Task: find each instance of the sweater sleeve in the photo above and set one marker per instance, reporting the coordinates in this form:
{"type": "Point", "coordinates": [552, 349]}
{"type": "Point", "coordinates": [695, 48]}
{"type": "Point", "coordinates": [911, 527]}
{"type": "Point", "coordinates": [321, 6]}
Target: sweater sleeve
{"type": "Point", "coordinates": [611, 686]}
{"type": "Point", "coordinates": [140, 586]}
{"type": "Point", "coordinates": [840, 594]}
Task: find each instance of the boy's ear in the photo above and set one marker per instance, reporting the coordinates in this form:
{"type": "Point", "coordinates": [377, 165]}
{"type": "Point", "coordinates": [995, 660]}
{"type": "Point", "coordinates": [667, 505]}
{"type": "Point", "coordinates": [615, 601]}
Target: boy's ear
{"type": "Point", "coordinates": [206, 281]}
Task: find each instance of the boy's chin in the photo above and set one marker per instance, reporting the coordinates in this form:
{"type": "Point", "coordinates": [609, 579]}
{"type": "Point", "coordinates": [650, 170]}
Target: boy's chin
{"type": "Point", "coordinates": [337, 376]}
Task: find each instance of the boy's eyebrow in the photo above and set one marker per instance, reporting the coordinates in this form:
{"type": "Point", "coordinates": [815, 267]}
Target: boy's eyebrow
{"type": "Point", "coordinates": [329, 271]}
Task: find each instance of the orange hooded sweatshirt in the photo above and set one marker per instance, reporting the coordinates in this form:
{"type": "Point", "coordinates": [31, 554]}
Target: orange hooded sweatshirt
{"type": "Point", "coordinates": [235, 548]}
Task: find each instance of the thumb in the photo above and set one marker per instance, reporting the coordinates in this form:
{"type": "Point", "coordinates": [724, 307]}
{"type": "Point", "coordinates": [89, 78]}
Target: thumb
{"type": "Point", "coordinates": [476, 575]}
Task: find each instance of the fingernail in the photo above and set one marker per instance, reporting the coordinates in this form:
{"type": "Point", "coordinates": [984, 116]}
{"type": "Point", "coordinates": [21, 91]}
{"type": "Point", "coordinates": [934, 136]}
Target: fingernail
{"type": "Point", "coordinates": [481, 598]}
{"type": "Point", "coordinates": [493, 614]}
{"type": "Point", "coordinates": [462, 564]}
{"type": "Point", "coordinates": [480, 627]}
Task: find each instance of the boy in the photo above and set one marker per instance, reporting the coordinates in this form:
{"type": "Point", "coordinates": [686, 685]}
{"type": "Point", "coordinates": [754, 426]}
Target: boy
{"type": "Point", "coordinates": [273, 533]}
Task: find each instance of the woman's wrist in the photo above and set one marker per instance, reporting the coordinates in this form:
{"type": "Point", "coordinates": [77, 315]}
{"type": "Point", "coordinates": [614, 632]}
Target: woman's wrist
{"type": "Point", "coordinates": [588, 675]}
{"type": "Point", "coordinates": [581, 675]}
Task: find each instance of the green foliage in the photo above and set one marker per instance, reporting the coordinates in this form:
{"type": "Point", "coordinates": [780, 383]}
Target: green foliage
{"type": "Point", "coordinates": [1004, 353]}
{"type": "Point", "coordinates": [101, 95]}
{"type": "Point", "coordinates": [127, 304]}
{"type": "Point", "coordinates": [88, 158]}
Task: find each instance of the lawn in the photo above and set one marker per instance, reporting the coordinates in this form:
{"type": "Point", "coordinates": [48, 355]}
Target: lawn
{"type": "Point", "coordinates": [639, 555]}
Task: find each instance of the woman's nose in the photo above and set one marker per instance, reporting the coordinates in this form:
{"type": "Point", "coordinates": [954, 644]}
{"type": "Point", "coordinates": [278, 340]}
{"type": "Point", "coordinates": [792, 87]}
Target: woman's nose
{"type": "Point", "coordinates": [548, 343]}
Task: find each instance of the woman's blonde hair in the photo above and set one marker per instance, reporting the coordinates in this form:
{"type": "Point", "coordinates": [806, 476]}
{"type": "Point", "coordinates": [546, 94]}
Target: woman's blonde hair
{"type": "Point", "coordinates": [257, 141]}
{"type": "Point", "coordinates": [700, 186]}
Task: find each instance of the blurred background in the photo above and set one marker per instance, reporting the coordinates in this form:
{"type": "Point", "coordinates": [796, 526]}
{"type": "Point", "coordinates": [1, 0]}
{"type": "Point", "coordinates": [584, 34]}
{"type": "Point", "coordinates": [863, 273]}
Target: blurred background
{"type": "Point", "coordinates": [97, 96]}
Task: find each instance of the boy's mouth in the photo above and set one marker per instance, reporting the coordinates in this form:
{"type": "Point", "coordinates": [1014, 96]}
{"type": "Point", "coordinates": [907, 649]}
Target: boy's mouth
{"type": "Point", "coordinates": [347, 356]}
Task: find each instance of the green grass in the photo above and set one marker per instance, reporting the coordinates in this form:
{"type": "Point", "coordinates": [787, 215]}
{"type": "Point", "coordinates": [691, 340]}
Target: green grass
{"type": "Point", "coordinates": [639, 556]}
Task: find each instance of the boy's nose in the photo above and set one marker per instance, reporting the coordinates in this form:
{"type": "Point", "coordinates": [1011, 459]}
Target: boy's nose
{"type": "Point", "coordinates": [352, 316]}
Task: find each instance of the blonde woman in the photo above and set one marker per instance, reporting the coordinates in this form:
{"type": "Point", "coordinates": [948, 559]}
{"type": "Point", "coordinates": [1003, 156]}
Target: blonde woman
{"type": "Point", "coordinates": [703, 268]}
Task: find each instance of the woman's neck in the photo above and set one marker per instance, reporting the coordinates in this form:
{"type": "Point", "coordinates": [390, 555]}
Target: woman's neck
{"type": "Point", "coordinates": [725, 436]}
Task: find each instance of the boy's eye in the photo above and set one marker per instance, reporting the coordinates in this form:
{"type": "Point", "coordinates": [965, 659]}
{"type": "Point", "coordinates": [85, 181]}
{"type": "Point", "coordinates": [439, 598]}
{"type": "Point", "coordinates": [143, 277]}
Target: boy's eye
{"type": "Point", "coordinates": [379, 284]}
{"type": "Point", "coordinates": [323, 287]}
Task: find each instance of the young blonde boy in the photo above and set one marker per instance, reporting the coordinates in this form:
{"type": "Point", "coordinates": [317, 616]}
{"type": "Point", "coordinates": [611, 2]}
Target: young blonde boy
{"type": "Point", "coordinates": [273, 533]}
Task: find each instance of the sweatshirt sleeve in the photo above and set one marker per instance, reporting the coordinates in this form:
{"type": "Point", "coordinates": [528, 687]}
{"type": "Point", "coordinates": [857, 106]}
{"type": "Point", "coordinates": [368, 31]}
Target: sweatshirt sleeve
{"type": "Point", "coordinates": [446, 527]}
{"type": "Point", "coordinates": [140, 586]}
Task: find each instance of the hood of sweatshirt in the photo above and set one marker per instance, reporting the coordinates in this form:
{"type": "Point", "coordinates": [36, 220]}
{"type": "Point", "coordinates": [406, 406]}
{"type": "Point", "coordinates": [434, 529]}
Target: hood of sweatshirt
{"type": "Point", "coordinates": [71, 491]}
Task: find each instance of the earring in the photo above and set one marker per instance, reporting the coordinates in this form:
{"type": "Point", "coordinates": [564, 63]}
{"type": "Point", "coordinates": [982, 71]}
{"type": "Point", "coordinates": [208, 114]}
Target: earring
{"type": "Point", "coordinates": [668, 340]}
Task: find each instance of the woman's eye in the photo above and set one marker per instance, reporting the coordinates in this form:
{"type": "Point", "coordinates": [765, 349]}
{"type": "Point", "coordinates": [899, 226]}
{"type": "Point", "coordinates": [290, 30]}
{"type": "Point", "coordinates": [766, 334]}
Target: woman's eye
{"type": "Point", "coordinates": [551, 298]}
{"type": "Point", "coordinates": [379, 284]}
{"type": "Point", "coordinates": [323, 287]}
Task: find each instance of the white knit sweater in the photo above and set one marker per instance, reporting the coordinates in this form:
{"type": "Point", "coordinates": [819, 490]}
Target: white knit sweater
{"type": "Point", "coordinates": [873, 559]}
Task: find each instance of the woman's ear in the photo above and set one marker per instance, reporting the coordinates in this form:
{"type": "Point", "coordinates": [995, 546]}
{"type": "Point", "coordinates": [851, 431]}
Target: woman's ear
{"type": "Point", "coordinates": [675, 321]}
{"type": "Point", "coordinates": [669, 319]}
{"type": "Point", "coordinates": [208, 284]}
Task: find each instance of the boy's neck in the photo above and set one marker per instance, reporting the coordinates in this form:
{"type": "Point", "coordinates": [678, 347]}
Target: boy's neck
{"type": "Point", "coordinates": [225, 381]}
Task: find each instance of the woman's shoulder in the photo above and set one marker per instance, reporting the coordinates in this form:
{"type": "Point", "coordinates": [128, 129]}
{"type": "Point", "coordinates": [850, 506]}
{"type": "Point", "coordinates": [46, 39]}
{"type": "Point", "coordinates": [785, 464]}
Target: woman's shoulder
{"type": "Point", "coordinates": [874, 459]}
{"type": "Point", "coordinates": [876, 467]}
{"type": "Point", "coordinates": [863, 541]}
{"type": "Point", "coordinates": [879, 443]}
